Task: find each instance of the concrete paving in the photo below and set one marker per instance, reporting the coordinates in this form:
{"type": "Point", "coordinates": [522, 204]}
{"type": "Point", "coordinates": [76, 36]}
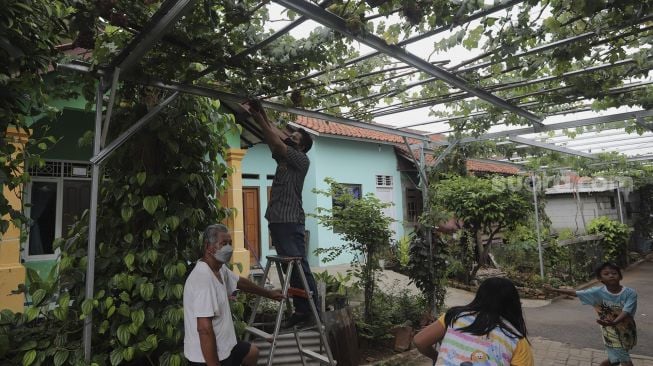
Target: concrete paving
{"type": "Point", "coordinates": [562, 332]}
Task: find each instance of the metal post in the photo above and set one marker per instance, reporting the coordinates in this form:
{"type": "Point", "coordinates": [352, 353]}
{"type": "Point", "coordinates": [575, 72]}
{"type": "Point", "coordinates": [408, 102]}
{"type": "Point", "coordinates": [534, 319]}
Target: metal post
{"type": "Point", "coordinates": [537, 225]}
{"type": "Point", "coordinates": [621, 213]}
{"type": "Point", "coordinates": [92, 224]}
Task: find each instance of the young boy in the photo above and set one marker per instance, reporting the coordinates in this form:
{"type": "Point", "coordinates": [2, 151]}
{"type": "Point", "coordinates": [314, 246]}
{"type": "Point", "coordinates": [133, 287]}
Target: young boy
{"type": "Point", "coordinates": [616, 306]}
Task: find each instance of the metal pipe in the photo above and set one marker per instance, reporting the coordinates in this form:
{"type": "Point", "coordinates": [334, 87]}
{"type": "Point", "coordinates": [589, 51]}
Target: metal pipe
{"type": "Point", "coordinates": [112, 99]}
{"type": "Point", "coordinates": [537, 226]}
{"type": "Point", "coordinates": [433, 32]}
{"type": "Point", "coordinates": [621, 213]}
{"type": "Point", "coordinates": [334, 22]}
{"type": "Point", "coordinates": [100, 157]}
{"type": "Point", "coordinates": [92, 223]}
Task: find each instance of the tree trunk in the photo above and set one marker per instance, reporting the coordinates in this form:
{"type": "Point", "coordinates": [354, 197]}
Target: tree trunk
{"type": "Point", "coordinates": [482, 253]}
{"type": "Point", "coordinates": [368, 278]}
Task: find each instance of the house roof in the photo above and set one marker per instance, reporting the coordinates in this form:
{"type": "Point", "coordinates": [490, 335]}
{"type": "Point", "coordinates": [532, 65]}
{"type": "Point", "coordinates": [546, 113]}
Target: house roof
{"type": "Point", "coordinates": [331, 128]}
{"type": "Point", "coordinates": [584, 185]}
{"type": "Point", "coordinates": [490, 166]}
{"type": "Point", "coordinates": [336, 129]}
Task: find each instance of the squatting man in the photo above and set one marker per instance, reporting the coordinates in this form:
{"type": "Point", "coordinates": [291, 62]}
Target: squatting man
{"type": "Point", "coordinates": [210, 337]}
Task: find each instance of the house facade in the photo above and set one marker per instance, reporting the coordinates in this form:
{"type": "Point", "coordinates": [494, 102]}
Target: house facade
{"type": "Point", "coordinates": [573, 205]}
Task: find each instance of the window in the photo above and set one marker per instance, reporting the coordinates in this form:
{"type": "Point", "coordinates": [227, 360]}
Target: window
{"type": "Point", "coordinates": [384, 181]}
{"type": "Point", "coordinates": [58, 194]}
{"type": "Point", "coordinates": [355, 190]}
{"type": "Point", "coordinates": [612, 204]}
{"type": "Point", "coordinates": [413, 205]}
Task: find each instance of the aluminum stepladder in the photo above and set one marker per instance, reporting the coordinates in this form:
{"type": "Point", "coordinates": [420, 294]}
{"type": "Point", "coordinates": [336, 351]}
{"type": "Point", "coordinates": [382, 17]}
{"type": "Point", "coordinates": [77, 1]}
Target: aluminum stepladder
{"type": "Point", "coordinates": [292, 264]}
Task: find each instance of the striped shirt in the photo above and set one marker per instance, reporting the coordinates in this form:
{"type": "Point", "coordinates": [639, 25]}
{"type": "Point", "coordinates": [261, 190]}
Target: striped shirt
{"type": "Point", "coordinates": [498, 348]}
{"type": "Point", "coordinates": [286, 196]}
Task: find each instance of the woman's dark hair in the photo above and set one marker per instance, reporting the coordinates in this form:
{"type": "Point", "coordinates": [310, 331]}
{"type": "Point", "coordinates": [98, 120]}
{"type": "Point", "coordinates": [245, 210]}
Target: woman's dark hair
{"type": "Point", "coordinates": [496, 302]}
{"type": "Point", "coordinates": [611, 265]}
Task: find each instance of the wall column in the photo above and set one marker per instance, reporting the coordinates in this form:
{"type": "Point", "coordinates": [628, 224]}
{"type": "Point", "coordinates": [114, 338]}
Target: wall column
{"type": "Point", "coordinates": [12, 272]}
{"type": "Point", "coordinates": [234, 201]}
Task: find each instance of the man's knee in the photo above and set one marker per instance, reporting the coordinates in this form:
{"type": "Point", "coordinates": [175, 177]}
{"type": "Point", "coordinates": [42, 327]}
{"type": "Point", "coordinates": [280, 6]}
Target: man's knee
{"type": "Point", "coordinates": [252, 356]}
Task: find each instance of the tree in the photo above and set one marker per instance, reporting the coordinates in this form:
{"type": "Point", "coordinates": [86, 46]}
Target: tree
{"type": "Point", "coordinates": [29, 34]}
{"type": "Point", "coordinates": [365, 229]}
{"type": "Point", "coordinates": [158, 194]}
{"type": "Point", "coordinates": [485, 206]}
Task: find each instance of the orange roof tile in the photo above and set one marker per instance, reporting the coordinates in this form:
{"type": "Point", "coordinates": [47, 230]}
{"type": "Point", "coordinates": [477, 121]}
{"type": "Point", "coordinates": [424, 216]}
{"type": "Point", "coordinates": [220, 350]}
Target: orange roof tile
{"type": "Point", "coordinates": [333, 128]}
{"type": "Point", "coordinates": [338, 129]}
{"type": "Point", "coordinates": [491, 167]}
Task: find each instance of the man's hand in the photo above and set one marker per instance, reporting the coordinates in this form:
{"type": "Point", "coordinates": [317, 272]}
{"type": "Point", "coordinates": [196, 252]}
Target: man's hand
{"type": "Point", "coordinates": [275, 295]}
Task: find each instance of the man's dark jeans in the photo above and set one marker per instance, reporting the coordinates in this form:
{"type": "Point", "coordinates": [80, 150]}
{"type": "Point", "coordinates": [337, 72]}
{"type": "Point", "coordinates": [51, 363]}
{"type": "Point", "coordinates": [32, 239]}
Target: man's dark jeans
{"type": "Point", "coordinates": [288, 240]}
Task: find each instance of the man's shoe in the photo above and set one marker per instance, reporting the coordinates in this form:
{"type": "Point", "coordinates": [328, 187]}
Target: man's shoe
{"type": "Point", "coordinates": [297, 319]}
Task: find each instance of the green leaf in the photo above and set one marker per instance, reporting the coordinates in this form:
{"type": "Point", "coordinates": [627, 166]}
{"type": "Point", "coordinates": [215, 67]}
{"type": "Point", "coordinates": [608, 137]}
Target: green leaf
{"type": "Point", "coordinates": [140, 178]}
{"type": "Point", "coordinates": [129, 261]}
{"type": "Point", "coordinates": [178, 290]}
{"type": "Point", "coordinates": [138, 317]}
{"type": "Point", "coordinates": [173, 222]}
{"type": "Point", "coordinates": [175, 360]}
{"type": "Point", "coordinates": [38, 296]}
{"type": "Point", "coordinates": [128, 353]}
{"type": "Point", "coordinates": [116, 356]}
{"type": "Point", "coordinates": [129, 238]}
{"type": "Point", "coordinates": [123, 334]}
{"type": "Point", "coordinates": [126, 212]}
{"type": "Point", "coordinates": [156, 236]}
{"type": "Point", "coordinates": [29, 357]}
{"type": "Point", "coordinates": [60, 357]}
{"type": "Point", "coordinates": [150, 204]}
{"type": "Point", "coordinates": [31, 313]}
{"type": "Point", "coordinates": [87, 306]}
{"type": "Point", "coordinates": [31, 344]}
{"type": "Point", "coordinates": [146, 290]}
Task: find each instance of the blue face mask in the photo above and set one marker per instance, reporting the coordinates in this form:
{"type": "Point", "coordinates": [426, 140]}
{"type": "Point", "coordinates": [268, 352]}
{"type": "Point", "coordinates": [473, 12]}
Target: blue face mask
{"type": "Point", "coordinates": [223, 255]}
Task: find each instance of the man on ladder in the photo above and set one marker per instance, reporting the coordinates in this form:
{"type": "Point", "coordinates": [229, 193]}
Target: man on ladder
{"type": "Point", "coordinates": [285, 214]}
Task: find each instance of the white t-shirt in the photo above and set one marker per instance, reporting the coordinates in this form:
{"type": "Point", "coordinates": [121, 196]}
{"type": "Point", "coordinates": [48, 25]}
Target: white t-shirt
{"type": "Point", "coordinates": [205, 296]}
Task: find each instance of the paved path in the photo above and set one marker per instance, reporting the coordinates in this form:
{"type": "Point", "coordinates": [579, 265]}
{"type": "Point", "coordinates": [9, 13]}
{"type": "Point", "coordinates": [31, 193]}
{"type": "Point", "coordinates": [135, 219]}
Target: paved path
{"type": "Point", "coordinates": [547, 353]}
{"type": "Point", "coordinates": [562, 332]}
{"type": "Point", "coordinates": [566, 320]}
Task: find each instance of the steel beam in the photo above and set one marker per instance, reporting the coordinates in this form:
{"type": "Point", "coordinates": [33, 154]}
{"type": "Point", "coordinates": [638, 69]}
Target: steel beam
{"type": "Point", "coordinates": [101, 156]}
{"type": "Point", "coordinates": [614, 141]}
{"type": "Point", "coordinates": [166, 16]}
{"type": "Point", "coordinates": [478, 15]}
{"type": "Point", "coordinates": [551, 147]}
{"type": "Point", "coordinates": [87, 334]}
{"type": "Point", "coordinates": [335, 22]}
{"type": "Point", "coordinates": [234, 98]}
{"type": "Point", "coordinates": [556, 126]}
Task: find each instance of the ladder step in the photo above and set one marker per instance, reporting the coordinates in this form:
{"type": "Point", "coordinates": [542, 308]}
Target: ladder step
{"type": "Point", "coordinates": [282, 259]}
{"type": "Point", "coordinates": [259, 333]}
{"type": "Point", "coordinates": [316, 356]}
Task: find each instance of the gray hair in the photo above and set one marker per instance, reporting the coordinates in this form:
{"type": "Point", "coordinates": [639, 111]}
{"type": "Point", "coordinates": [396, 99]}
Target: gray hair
{"type": "Point", "coordinates": [212, 232]}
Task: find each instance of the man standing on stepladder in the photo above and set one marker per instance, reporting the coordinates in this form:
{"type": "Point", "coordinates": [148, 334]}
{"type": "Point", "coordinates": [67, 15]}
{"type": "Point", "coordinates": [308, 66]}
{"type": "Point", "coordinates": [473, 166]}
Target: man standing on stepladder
{"type": "Point", "coordinates": [285, 214]}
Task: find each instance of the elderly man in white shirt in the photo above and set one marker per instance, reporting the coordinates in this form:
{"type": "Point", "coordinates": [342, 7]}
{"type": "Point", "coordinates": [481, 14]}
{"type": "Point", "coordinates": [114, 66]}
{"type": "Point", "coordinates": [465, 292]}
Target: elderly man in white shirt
{"type": "Point", "coordinates": [210, 337]}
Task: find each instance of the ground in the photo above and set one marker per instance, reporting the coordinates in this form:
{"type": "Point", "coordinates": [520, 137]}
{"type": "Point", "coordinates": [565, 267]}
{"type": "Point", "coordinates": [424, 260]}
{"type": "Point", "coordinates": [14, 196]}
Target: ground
{"type": "Point", "coordinates": [562, 332]}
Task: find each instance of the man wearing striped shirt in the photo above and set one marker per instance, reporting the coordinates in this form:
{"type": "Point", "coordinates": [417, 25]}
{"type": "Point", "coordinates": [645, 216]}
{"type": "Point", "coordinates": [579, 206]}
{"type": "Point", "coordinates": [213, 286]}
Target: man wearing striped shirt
{"type": "Point", "coordinates": [285, 214]}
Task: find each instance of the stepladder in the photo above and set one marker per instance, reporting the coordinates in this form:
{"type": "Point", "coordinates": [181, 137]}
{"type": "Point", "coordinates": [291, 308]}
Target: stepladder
{"type": "Point", "coordinates": [286, 267]}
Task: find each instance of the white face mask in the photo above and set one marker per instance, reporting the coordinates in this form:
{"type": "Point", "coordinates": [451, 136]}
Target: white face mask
{"type": "Point", "coordinates": [223, 255]}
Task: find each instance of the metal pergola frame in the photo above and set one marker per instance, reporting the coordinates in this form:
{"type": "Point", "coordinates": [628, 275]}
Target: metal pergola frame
{"type": "Point", "coordinates": [172, 10]}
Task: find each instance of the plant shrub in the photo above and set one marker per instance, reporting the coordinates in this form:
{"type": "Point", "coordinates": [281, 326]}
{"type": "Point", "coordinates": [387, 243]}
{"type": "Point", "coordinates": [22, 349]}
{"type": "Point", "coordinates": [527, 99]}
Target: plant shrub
{"type": "Point", "coordinates": [615, 238]}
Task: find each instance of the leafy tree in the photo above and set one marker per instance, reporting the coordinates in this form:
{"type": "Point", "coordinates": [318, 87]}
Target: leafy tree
{"type": "Point", "coordinates": [365, 229]}
{"type": "Point", "coordinates": [485, 206]}
{"type": "Point", "coordinates": [156, 197]}
{"type": "Point", "coordinates": [615, 238]}
{"type": "Point", "coordinates": [29, 34]}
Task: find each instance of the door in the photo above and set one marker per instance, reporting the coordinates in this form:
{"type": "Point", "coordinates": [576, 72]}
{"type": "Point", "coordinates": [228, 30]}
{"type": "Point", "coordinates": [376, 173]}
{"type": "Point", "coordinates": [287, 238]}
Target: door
{"type": "Point", "coordinates": [384, 194]}
{"type": "Point", "coordinates": [251, 223]}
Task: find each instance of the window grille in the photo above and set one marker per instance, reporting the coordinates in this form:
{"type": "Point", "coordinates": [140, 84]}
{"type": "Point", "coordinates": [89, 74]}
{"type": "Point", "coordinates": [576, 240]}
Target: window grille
{"type": "Point", "coordinates": [384, 181]}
